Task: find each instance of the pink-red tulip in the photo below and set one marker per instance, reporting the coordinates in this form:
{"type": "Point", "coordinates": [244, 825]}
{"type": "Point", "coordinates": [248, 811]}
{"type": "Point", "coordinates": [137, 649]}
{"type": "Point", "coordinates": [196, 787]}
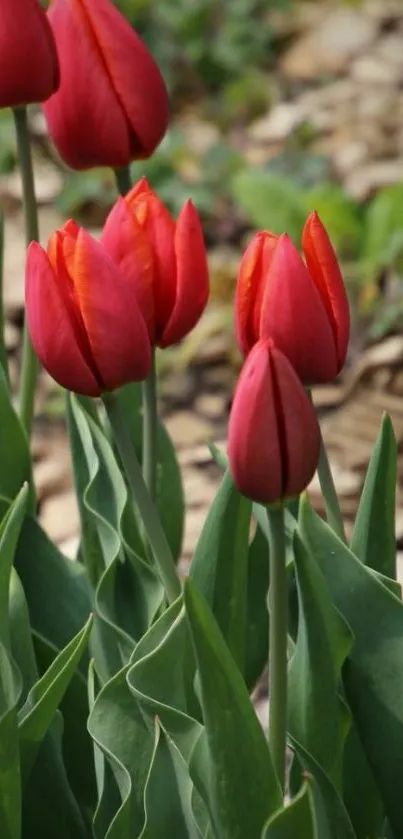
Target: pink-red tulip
{"type": "Point", "coordinates": [273, 435]}
{"type": "Point", "coordinates": [302, 307]}
{"type": "Point", "coordinates": [83, 317]}
{"type": "Point", "coordinates": [29, 69]}
{"type": "Point", "coordinates": [112, 104]}
{"type": "Point", "coordinates": [164, 260]}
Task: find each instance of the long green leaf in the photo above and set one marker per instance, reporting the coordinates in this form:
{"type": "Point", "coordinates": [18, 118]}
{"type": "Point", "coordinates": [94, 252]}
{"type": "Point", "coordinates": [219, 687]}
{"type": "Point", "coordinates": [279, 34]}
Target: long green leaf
{"type": "Point", "coordinates": [220, 564]}
{"type": "Point", "coordinates": [373, 675]}
{"type": "Point", "coordinates": [16, 468]}
{"type": "Point", "coordinates": [318, 717]}
{"type": "Point", "coordinates": [332, 819]}
{"type": "Point", "coordinates": [374, 539]}
{"type": "Point", "coordinates": [236, 741]}
{"type": "Point", "coordinates": [297, 819]}
{"type": "Point", "coordinates": [43, 700]}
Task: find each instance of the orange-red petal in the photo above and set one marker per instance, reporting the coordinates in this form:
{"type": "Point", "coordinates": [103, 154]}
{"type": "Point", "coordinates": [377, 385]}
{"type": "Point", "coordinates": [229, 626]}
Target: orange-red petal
{"type": "Point", "coordinates": [52, 332]}
{"type": "Point", "coordinates": [294, 316]}
{"type": "Point", "coordinates": [192, 277]}
{"type": "Point", "coordinates": [252, 277]}
{"type": "Point", "coordinates": [127, 244]}
{"type": "Point", "coordinates": [326, 274]}
{"type": "Point", "coordinates": [114, 324]}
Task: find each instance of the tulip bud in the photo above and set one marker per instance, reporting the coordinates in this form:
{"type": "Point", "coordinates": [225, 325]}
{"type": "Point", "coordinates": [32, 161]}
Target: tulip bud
{"type": "Point", "coordinates": [273, 434]}
{"type": "Point", "coordinates": [164, 260]}
{"type": "Point", "coordinates": [83, 317]}
{"type": "Point", "coordinates": [302, 307]}
{"type": "Point", "coordinates": [29, 68]}
{"type": "Point", "coordinates": [112, 104]}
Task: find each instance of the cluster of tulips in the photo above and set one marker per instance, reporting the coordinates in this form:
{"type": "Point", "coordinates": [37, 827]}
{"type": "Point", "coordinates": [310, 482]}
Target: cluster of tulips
{"type": "Point", "coordinates": [96, 309]}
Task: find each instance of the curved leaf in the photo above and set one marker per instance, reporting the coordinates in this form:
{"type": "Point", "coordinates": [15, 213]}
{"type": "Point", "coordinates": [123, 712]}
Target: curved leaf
{"type": "Point", "coordinates": [374, 538]}
{"type": "Point", "coordinates": [318, 717]}
{"type": "Point", "coordinates": [297, 819]}
{"type": "Point", "coordinates": [236, 741]}
{"type": "Point", "coordinates": [373, 675]}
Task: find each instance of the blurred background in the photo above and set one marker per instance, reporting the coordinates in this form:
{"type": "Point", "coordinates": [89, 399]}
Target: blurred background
{"type": "Point", "coordinates": [278, 107]}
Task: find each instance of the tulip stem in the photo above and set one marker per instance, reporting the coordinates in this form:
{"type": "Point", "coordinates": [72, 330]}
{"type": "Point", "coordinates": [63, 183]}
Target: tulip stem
{"type": "Point", "coordinates": [150, 431]}
{"type": "Point", "coordinates": [152, 525]}
{"type": "Point", "coordinates": [29, 364]}
{"type": "Point", "coordinates": [331, 501]}
{"type": "Point", "coordinates": [278, 641]}
{"type": "Point", "coordinates": [123, 180]}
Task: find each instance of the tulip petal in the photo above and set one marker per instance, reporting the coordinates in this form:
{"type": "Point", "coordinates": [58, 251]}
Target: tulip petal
{"type": "Point", "coordinates": [294, 316]}
{"type": "Point", "coordinates": [192, 281]}
{"type": "Point", "coordinates": [273, 433]}
{"type": "Point", "coordinates": [115, 326]}
{"type": "Point", "coordinates": [254, 450]}
{"type": "Point", "coordinates": [50, 327]}
{"type": "Point", "coordinates": [159, 228]}
{"type": "Point", "coordinates": [27, 74]}
{"type": "Point", "coordinates": [325, 271]}
{"type": "Point", "coordinates": [85, 135]}
{"type": "Point", "coordinates": [298, 427]}
{"type": "Point", "coordinates": [134, 74]}
{"type": "Point", "coordinates": [252, 275]}
{"type": "Point", "coordinates": [127, 244]}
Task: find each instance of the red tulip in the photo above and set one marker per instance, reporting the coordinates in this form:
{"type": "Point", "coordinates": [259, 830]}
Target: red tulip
{"type": "Point", "coordinates": [112, 105]}
{"type": "Point", "coordinates": [273, 435]}
{"type": "Point", "coordinates": [83, 318]}
{"type": "Point", "coordinates": [303, 307]}
{"type": "Point", "coordinates": [29, 69]}
{"type": "Point", "coordinates": [164, 260]}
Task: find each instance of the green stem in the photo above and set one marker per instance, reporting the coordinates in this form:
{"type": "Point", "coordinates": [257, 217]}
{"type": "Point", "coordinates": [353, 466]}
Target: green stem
{"type": "Point", "coordinates": [29, 365]}
{"type": "Point", "coordinates": [331, 501]}
{"type": "Point", "coordinates": [150, 431]}
{"type": "Point", "coordinates": [278, 625]}
{"type": "Point", "coordinates": [123, 180]}
{"type": "Point", "coordinates": [152, 525]}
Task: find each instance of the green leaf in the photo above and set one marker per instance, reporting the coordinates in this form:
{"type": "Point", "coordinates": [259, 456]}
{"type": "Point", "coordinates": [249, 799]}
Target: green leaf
{"type": "Point", "coordinates": [56, 589]}
{"type": "Point", "coordinates": [374, 539]}
{"type": "Point", "coordinates": [162, 680]}
{"type": "Point", "coordinates": [373, 675]}
{"type": "Point", "coordinates": [330, 813]}
{"type": "Point", "coordinates": [270, 201]}
{"type": "Point", "coordinates": [129, 593]}
{"type": "Point", "coordinates": [318, 717]}
{"type": "Point", "coordinates": [16, 469]}
{"type": "Point", "coordinates": [90, 551]}
{"type": "Point", "coordinates": [236, 741]}
{"type": "Point", "coordinates": [10, 529]}
{"type": "Point", "coordinates": [383, 241]}
{"type": "Point", "coordinates": [120, 730]}
{"type": "Point", "coordinates": [219, 568]}
{"type": "Point", "coordinates": [167, 793]}
{"type": "Point", "coordinates": [39, 709]}
{"type": "Point", "coordinates": [360, 793]}
{"type": "Point", "coordinates": [257, 620]}
{"type": "Point", "coordinates": [297, 819]}
{"type": "Point", "coordinates": [10, 773]}
{"type": "Point", "coordinates": [169, 500]}
{"type": "Point", "coordinates": [49, 807]}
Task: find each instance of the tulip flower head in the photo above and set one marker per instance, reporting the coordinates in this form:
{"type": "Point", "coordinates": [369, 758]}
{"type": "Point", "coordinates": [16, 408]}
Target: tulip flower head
{"type": "Point", "coordinates": [29, 68]}
{"type": "Point", "coordinates": [112, 104]}
{"type": "Point", "coordinates": [83, 317]}
{"type": "Point", "coordinates": [302, 307]}
{"type": "Point", "coordinates": [164, 260]}
{"type": "Point", "coordinates": [273, 434]}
